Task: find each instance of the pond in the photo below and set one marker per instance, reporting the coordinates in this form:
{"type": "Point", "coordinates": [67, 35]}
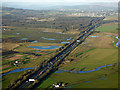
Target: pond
{"type": "Point", "coordinates": [65, 42]}
{"type": "Point", "coordinates": [94, 36]}
{"type": "Point", "coordinates": [60, 32]}
{"type": "Point", "coordinates": [24, 38]}
{"type": "Point", "coordinates": [34, 41]}
{"type": "Point", "coordinates": [62, 38]}
{"type": "Point", "coordinates": [88, 81]}
{"type": "Point", "coordinates": [69, 38]}
{"type": "Point", "coordinates": [117, 44]}
{"type": "Point", "coordinates": [44, 31]}
{"type": "Point", "coordinates": [101, 78]}
{"type": "Point", "coordinates": [48, 38]}
{"type": "Point", "coordinates": [44, 47]}
{"type": "Point", "coordinates": [108, 35]}
{"type": "Point", "coordinates": [17, 33]}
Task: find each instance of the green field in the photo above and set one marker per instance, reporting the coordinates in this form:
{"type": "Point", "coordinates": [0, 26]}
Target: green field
{"type": "Point", "coordinates": [35, 34]}
{"type": "Point", "coordinates": [108, 28]}
{"type": "Point", "coordinates": [93, 59]}
{"type": "Point", "coordinates": [22, 27]}
{"type": "Point", "coordinates": [92, 53]}
{"type": "Point", "coordinates": [46, 83]}
{"type": "Point", "coordinates": [28, 57]}
{"type": "Point", "coordinates": [79, 79]}
{"type": "Point", "coordinates": [111, 18]}
{"type": "Point", "coordinates": [110, 81]}
{"type": "Point", "coordinates": [25, 48]}
{"type": "Point", "coordinates": [10, 78]}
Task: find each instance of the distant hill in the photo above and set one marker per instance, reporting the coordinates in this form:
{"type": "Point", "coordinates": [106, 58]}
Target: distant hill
{"type": "Point", "coordinates": [56, 6]}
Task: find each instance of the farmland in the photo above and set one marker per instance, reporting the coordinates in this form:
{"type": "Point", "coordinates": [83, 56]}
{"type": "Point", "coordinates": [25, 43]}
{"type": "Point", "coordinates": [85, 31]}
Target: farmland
{"type": "Point", "coordinates": [28, 57]}
{"type": "Point", "coordinates": [80, 80]}
{"type": "Point", "coordinates": [23, 30]}
{"type": "Point", "coordinates": [9, 79]}
{"type": "Point", "coordinates": [34, 34]}
{"type": "Point", "coordinates": [104, 82]}
{"type": "Point", "coordinates": [111, 18]}
{"type": "Point", "coordinates": [43, 32]}
{"type": "Point", "coordinates": [111, 27]}
{"type": "Point", "coordinates": [92, 53]}
{"type": "Point", "coordinates": [86, 55]}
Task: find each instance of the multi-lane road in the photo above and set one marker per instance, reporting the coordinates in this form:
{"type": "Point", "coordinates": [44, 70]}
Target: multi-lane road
{"type": "Point", "coordinates": [58, 57]}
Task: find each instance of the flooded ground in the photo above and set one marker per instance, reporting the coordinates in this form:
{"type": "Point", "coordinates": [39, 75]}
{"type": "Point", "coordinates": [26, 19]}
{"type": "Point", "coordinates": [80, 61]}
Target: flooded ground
{"type": "Point", "coordinates": [24, 38]}
{"type": "Point", "coordinates": [18, 70]}
{"type": "Point", "coordinates": [117, 44]}
{"type": "Point", "coordinates": [48, 38]}
{"type": "Point", "coordinates": [98, 68]}
{"type": "Point", "coordinates": [94, 36]}
{"type": "Point", "coordinates": [65, 42]}
{"type": "Point", "coordinates": [44, 47]}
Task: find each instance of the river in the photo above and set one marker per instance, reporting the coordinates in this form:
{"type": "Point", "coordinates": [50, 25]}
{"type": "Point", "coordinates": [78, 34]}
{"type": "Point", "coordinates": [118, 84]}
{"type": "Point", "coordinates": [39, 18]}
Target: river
{"type": "Point", "coordinates": [59, 71]}
{"type": "Point", "coordinates": [96, 69]}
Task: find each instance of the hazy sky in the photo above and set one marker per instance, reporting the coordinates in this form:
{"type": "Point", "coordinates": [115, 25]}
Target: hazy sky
{"type": "Point", "coordinates": [60, 0]}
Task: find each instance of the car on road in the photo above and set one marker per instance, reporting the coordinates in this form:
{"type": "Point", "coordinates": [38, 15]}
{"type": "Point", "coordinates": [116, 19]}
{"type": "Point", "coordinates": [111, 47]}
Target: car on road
{"type": "Point", "coordinates": [40, 72]}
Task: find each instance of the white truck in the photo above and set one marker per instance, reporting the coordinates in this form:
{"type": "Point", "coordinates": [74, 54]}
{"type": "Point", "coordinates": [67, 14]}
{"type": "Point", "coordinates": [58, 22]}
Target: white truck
{"type": "Point", "coordinates": [31, 80]}
{"type": "Point", "coordinates": [78, 40]}
{"type": "Point", "coordinates": [85, 31]}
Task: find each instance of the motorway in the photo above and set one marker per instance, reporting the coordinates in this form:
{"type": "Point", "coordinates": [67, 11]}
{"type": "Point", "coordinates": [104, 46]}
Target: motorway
{"type": "Point", "coordinates": [54, 60]}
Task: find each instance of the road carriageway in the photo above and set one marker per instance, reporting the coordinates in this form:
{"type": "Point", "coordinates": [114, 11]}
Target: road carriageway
{"type": "Point", "coordinates": [59, 57]}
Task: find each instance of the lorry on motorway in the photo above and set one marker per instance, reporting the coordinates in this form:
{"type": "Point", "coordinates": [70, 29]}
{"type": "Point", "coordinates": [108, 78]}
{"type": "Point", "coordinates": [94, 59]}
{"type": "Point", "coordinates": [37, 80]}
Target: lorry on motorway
{"type": "Point", "coordinates": [78, 40]}
{"type": "Point", "coordinates": [31, 80]}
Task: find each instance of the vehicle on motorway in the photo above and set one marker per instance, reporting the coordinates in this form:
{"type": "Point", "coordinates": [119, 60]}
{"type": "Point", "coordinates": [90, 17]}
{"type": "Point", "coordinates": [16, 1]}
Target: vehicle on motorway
{"type": "Point", "coordinates": [40, 72]}
{"type": "Point", "coordinates": [31, 80]}
{"type": "Point", "coordinates": [78, 40]}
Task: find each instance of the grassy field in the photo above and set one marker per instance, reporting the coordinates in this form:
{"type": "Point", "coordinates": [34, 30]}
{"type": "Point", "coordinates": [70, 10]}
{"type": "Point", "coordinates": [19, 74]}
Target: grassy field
{"type": "Point", "coordinates": [92, 53]}
{"type": "Point", "coordinates": [110, 81]}
{"type": "Point", "coordinates": [104, 40]}
{"type": "Point", "coordinates": [27, 56]}
{"type": "Point", "coordinates": [111, 18]}
{"type": "Point", "coordinates": [9, 79]}
{"type": "Point", "coordinates": [93, 59]}
{"type": "Point", "coordinates": [108, 27]}
{"type": "Point", "coordinates": [79, 79]}
{"type": "Point", "coordinates": [10, 46]}
{"type": "Point", "coordinates": [36, 34]}
{"type": "Point", "coordinates": [106, 56]}
{"type": "Point", "coordinates": [25, 47]}
{"type": "Point", "coordinates": [47, 83]}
